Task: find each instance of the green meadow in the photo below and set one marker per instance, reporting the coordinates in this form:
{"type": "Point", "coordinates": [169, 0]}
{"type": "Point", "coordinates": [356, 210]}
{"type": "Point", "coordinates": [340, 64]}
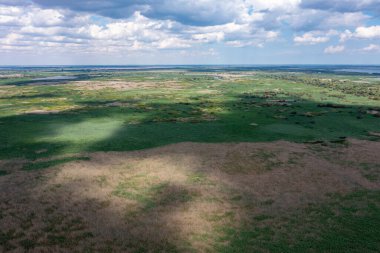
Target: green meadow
{"type": "Point", "coordinates": [246, 107]}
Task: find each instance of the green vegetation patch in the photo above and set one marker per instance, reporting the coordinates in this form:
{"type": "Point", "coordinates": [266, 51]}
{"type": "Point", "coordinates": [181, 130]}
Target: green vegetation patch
{"type": "Point", "coordinates": [348, 223]}
{"type": "Point", "coordinates": [178, 107]}
{"type": "Point", "coordinates": [3, 173]}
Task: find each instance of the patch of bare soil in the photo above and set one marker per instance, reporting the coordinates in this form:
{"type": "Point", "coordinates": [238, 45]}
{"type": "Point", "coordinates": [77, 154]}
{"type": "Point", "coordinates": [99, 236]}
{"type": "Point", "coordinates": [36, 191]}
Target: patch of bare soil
{"type": "Point", "coordinates": [11, 76]}
{"type": "Point", "coordinates": [42, 112]}
{"type": "Point", "coordinates": [51, 111]}
{"type": "Point", "coordinates": [226, 76]}
{"type": "Point", "coordinates": [12, 165]}
{"type": "Point", "coordinates": [173, 197]}
{"type": "Point", "coordinates": [123, 85]}
{"type": "Point", "coordinates": [232, 76]}
{"type": "Point", "coordinates": [207, 91]}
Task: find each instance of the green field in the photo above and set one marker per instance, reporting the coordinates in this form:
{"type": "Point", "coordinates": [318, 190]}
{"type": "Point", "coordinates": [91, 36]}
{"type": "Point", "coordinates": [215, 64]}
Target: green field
{"type": "Point", "coordinates": [177, 107]}
{"type": "Point", "coordinates": [189, 161]}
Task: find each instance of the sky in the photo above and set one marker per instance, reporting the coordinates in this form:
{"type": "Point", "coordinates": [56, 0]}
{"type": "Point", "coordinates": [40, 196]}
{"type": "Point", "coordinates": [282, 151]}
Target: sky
{"type": "Point", "coordinates": [121, 32]}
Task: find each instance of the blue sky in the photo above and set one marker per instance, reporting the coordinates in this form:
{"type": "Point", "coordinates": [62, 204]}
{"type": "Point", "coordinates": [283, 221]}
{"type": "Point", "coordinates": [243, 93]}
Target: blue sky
{"type": "Point", "coordinates": [43, 32]}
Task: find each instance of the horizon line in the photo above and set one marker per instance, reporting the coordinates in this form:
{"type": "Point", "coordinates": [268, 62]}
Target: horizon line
{"type": "Point", "coordinates": [168, 65]}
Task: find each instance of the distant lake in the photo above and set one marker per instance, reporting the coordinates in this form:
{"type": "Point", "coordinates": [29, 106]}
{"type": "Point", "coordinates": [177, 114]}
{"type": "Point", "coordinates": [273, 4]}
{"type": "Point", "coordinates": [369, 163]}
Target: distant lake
{"type": "Point", "coordinates": [54, 78]}
{"type": "Point", "coordinates": [375, 70]}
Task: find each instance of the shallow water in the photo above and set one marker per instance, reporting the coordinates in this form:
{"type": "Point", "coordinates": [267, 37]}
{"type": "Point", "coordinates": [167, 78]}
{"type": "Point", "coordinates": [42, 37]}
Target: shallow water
{"type": "Point", "coordinates": [375, 70]}
{"type": "Point", "coordinates": [53, 78]}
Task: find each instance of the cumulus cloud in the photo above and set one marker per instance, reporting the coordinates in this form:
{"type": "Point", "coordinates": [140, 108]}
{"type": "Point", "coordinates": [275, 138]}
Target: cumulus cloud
{"type": "Point", "coordinates": [91, 26]}
{"type": "Point", "coordinates": [370, 32]}
{"type": "Point", "coordinates": [196, 13]}
{"type": "Point", "coordinates": [362, 32]}
{"type": "Point", "coordinates": [372, 48]}
{"type": "Point", "coordinates": [307, 20]}
{"type": "Point", "coordinates": [48, 27]}
{"type": "Point", "coordinates": [334, 49]}
{"type": "Point", "coordinates": [310, 38]}
{"type": "Point", "coordinates": [205, 12]}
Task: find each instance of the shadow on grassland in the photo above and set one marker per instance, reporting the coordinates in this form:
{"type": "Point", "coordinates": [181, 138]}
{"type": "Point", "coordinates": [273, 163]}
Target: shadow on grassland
{"type": "Point", "coordinates": [130, 126]}
{"type": "Point", "coordinates": [193, 197]}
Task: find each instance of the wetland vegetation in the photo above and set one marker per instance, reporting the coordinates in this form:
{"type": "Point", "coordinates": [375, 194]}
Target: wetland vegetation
{"type": "Point", "coordinates": [189, 159]}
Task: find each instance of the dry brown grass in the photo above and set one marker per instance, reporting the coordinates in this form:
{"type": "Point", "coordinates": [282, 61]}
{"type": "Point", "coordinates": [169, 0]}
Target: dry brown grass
{"type": "Point", "coordinates": [123, 85]}
{"type": "Point", "coordinates": [170, 198]}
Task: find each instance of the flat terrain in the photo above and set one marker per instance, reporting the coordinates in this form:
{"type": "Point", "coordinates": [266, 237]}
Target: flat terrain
{"type": "Point", "coordinates": [189, 160]}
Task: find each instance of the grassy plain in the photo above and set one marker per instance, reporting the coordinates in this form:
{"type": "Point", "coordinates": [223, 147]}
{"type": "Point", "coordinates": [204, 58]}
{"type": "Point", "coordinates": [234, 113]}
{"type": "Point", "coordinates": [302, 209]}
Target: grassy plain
{"type": "Point", "coordinates": [189, 161]}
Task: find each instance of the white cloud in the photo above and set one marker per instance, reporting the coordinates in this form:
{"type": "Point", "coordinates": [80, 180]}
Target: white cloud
{"type": "Point", "coordinates": [172, 43]}
{"type": "Point", "coordinates": [209, 37]}
{"type": "Point", "coordinates": [40, 28]}
{"type": "Point", "coordinates": [346, 35]}
{"type": "Point", "coordinates": [372, 48]}
{"type": "Point", "coordinates": [310, 38]}
{"type": "Point", "coordinates": [362, 32]}
{"type": "Point", "coordinates": [33, 16]}
{"type": "Point", "coordinates": [11, 39]}
{"type": "Point", "coordinates": [92, 26]}
{"type": "Point", "coordinates": [334, 49]}
{"type": "Point", "coordinates": [370, 32]}
{"type": "Point", "coordinates": [308, 20]}
{"type": "Point", "coordinates": [345, 19]}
